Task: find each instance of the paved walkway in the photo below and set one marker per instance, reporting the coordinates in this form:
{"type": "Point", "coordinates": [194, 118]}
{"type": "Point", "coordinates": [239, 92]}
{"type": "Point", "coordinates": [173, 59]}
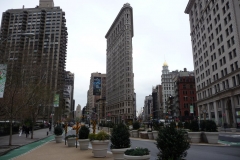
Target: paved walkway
{"type": "Point", "coordinates": [18, 141]}
{"type": "Point", "coordinates": [45, 148]}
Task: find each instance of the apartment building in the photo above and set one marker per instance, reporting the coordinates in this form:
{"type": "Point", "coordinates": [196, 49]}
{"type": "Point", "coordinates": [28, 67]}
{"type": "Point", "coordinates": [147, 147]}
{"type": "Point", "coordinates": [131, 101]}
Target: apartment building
{"type": "Point", "coordinates": [42, 56]}
{"type": "Point", "coordinates": [215, 26]}
{"type": "Point", "coordinates": [120, 78]}
{"type": "Point", "coordinates": [184, 102]}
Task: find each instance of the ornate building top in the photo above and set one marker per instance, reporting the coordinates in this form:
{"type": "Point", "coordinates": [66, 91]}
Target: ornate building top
{"type": "Point", "coordinates": [165, 64]}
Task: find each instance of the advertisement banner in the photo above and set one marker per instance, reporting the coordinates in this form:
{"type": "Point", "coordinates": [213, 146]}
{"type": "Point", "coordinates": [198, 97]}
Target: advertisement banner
{"type": "Point", "coordinates": [3, 74]}
{"type": "Point", "coordinates": [56, 100]}
{"type": "Point", "coordinates": [97, 86]}
{"type": "Point", "coordinates": [191, 108]}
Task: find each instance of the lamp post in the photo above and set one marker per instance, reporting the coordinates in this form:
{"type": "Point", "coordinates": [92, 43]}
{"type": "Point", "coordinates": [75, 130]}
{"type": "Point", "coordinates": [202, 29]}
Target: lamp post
{"type": "Point", "coordinates": [52, 123]}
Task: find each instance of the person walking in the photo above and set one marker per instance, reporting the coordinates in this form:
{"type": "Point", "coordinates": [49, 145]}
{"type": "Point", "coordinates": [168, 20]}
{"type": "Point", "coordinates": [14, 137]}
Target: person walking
{"type": "Point", "coordinates": [27, 131]}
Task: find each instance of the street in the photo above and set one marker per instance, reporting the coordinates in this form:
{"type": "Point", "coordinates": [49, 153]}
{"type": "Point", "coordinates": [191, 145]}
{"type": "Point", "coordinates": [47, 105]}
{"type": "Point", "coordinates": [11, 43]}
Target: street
{"type": "Point", "coordinates": [196, 152]}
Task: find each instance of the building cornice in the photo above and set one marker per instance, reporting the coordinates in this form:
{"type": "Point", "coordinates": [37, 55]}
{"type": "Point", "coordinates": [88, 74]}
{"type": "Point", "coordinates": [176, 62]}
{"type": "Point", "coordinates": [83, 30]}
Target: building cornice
{"type": "Point", "coordinates": [125, 6]}
{"type": "Point", "coordinates": [189, 6]}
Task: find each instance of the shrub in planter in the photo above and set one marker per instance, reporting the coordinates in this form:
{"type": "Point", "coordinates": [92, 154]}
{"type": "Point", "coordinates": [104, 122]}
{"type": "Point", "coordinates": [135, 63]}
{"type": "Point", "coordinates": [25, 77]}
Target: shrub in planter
{"type": "Point", "coordinates": [120, 137]}
{"type": "Point", "coordinates": [136, 125]}
{"type": "Point", "coordinates": [83, 132]}
{"type": "Point", "coordinates": [210, 131]}
{"type": "Point", "coordinates": [194, 126]}
{"type": "Point", "coordinates": [120, 141]}
{"type": "Point", "coordinates": [211, 126]}
{"type": "Point", "coordinates": [156, 125]}
{"type": "Point", "coordinates": [83, 137]}
{"type": "Point", "coordinates": [58, 130]}
{"type": "Point", "coordinates": [70, 136]}
{"type": "Point", "coordinates": [172, 144]}
{"type": "Point", "coordinates": [101, 136]}
{"type": "Point", "coordinates": [137, 152]}
{"type": "Point", "coordinates": [208, 126]}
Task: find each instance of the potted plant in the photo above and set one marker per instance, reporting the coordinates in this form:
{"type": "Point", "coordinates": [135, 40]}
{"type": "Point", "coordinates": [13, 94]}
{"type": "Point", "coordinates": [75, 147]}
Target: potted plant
{"type": "Point", "coordinates": [150, 134]}
{"type": "Point", "coordinates": [58, 131]}
{"type": "Point", "coordinates": [156, 128]}
{"type": "Point", "coordinates": [71, 140]}
{"type": "Point", "coordinates": [120, 141]}
{"type": "Point", "coordinates": [99, 143]}
{"type": "Point", "coordinates": [210, 130]}
{"type": "Point", "coordinates": [136, 126]}
{"type": "Point", "coordinates": [172, 143]}
{"type": "Point", "coordinates": [83, 137]}
{"type": "Point", "coordinates": [137, 153]}
{"type": "Point", "coordinates": [194, 134]}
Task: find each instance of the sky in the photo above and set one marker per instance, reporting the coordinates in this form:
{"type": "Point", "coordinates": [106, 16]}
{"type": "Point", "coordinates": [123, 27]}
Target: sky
{"type": "Point", "coordinates": [161, 33]}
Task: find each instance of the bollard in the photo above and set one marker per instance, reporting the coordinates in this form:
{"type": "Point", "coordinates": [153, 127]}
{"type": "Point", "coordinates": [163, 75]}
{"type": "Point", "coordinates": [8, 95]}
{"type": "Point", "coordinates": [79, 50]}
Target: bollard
{"type": "Point", "coordinates": [47, 133]}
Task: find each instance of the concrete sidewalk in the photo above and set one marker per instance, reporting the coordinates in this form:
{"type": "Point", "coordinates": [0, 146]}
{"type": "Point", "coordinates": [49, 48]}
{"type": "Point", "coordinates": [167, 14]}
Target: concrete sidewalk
{"type": "Point", "coordinates": [18, 141]}
{"type": "Point", "coordinates": [53, 150]}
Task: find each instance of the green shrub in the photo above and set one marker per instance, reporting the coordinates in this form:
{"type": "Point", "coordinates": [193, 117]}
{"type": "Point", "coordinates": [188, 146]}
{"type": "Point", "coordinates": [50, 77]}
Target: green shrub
{"type": "Point", "coordinates": [83, 132]}
{"type": "Point", "coordinates": [120, 137]}
{"type": "Point", "coordinates": [194, 126]}
{"type": "Point", "coordinates": [136, 125]}
{"type": "Point", "coordinates": [137, 152]}
{"type": "Point", "coordinates": [208, 126]}
{"type": "Point", "coordinates": [58, 130]}
{"type": "Point", "coordinates": [101, 136]}
{"type": "Point", "coordinates": [172, 144]}
{"type": "Point", "coordinates": [70, 136]}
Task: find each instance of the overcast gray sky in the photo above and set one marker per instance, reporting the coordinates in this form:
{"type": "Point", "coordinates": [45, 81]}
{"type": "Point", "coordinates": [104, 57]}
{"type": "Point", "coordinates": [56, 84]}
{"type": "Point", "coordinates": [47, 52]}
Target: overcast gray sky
{"type": "Point", "coordinates": [161, 32]}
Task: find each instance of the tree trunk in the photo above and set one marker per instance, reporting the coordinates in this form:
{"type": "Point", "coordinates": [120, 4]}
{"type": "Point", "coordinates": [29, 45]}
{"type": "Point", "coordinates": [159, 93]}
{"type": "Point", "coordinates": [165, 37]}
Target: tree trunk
{"type": "Point", "coordinates": [10, 133]}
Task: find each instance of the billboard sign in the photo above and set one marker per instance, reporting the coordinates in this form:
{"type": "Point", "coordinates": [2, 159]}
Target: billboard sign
{"type": "Point", "coordinates": [56, 100]}
{"type": "Point", "coordinates": [97, 86]}
{"type": "Point", "coordinates": [191, 108]}
{"type": "Point", "coordinates": [3, 74]}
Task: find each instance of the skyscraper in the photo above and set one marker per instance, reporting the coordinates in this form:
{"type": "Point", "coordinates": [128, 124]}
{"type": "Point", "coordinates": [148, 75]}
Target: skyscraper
{"type": "Point", "coordinates": [42, 56]}
{"type": "Point", "coordinates": [215, 27]}
{"type": "Point", "coordinates": [167, 85]}
{"type": "Point", "coordinates": [120, 77]}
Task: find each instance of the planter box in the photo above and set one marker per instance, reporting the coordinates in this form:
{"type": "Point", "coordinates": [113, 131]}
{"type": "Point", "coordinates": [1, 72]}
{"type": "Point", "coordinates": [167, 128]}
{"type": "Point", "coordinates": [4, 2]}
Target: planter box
{"type": "Point", "coordinates": [144, 135]}
{"type": "Point", "coordinates": [145, 157]}
{"type": "Point", "coordinates": [83, 143]}
{"type": "Point", "coordinates": [118, 153]}
{"type": "Point", "coordinates": [58, 138]}
{"type": "Point", "coordinates": [150, 135]}
{"type": "Point", "coordinates": [212, 137]}
{"type": "Point", "coordinates": [155, 134]}
{"type": "Point", "coordinates": [195, 137]}
{"type": "Point", "coordinates": [135, 133]}
{"type": "Point", "coordinates": [233, 130]}
{"type": "Point", "coordinates": [71, 142]}
{"type": "Point", "coordinates": [99, 148]}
